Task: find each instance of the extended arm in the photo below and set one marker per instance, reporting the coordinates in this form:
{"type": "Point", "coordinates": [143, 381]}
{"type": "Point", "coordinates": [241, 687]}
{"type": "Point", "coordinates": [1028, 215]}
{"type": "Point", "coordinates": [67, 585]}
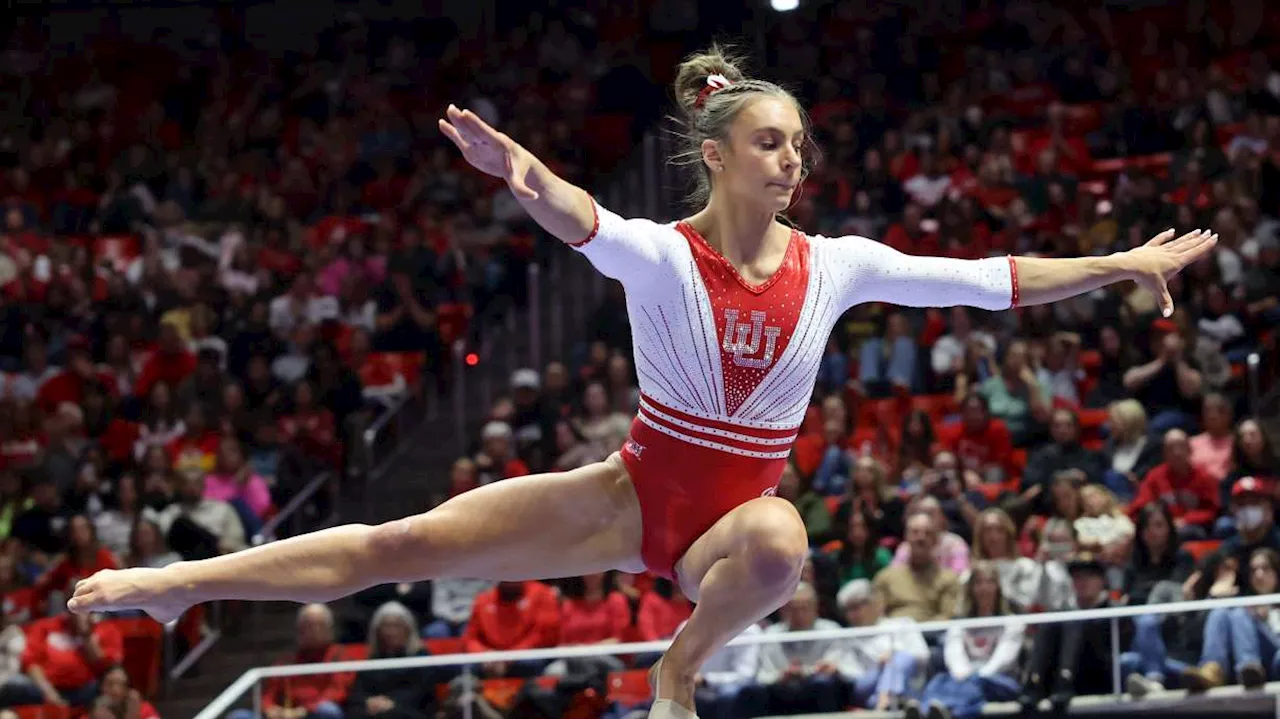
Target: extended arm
{"type": "Point", "coordinates": [559, 207]}
{"type": "Point", "coordinates": [872, 272]}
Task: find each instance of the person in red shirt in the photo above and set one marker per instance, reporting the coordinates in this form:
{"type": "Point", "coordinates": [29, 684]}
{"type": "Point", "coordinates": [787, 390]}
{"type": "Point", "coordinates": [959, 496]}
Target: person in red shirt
{"type": "Point", "coordinates": [171, 362]}
{"type": "Point", "coordinates": [18, 602]}
{"type": "Point", "coordinates": [67, 654]}
{"type": "Point", "coordinates": [592, 612]}
{"type": "Point", "coordinates": [84, 557]}
{"type": "Point", "coordinates": [662, 611]}
{"type": "Point", "coordinates": [312, 696]}
{"type": "Point", "coordinates": [513, 615]}
{"type": "Point", "coordinates": [70, 384]}
{"type": "Point", "coordinates": [117, 699]}
{"type": "Point", "coordinates": [496, 459]}
{"type": "Point", "coordinates": [1189, 491]}
{"type": "Point", "coordinates": [197, 447]}
{"type": "Point", "coordinates": [981, 442]}
{"type": "Point", "coordinates": [310, 427]}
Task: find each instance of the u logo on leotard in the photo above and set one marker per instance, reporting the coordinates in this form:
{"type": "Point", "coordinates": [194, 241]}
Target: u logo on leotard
{"type": "Point", "coordinates": [743, 340]}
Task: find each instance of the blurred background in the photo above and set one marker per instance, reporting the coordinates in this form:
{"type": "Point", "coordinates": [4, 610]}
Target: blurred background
{"type": "Point", "coordinates": [248, 290]}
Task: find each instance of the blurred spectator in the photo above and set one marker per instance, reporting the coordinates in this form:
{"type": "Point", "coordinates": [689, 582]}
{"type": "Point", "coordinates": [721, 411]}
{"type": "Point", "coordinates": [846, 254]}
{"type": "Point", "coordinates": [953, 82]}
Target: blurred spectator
{"type": "Point", "coordinates": [1253, 455]}
{"type": "Point", "coordinates": [451, 602]}
{"type": "Point", "coordinates": [572, 448]}
{"type": "Point", "coordinates": [1026, 584]}
{"type": "Point", "coordinates": [114, 525]}
{"type": "Point", "coordinates": [980, 441]}
{"type": "Point", "coordinates": [117, 698]}
{"type": "Point", "coordinates": [83, 557]}
{"type": "Point", "coordinates": [314, 696]}
{"type": "Point", "coordinates": [233, 481]}
{"type": "Point", "coordinates": [1169, 385]}
{"type": "Point", "coordinates": [663, 608]}
{"type": "Point", "coordinates": [41, 526]}
{"type": "Point", "coordinates": [496, 459]}
{"type": "Point", "coordinates": [1073, 658]}
{"type": "Point", "coordinates": [66, 655]}
{"type": "Point", "coordinates": [1063, 452]}
{"type": "Point", "coordinates": [922, 588]}
{"type": "Point", "coordinates": [1211, 449]}
{"type": "Point", "coordinates": [603, 426]}
{"type": "Point", "coordinates": [1191, 494]}
{"type": "Point", "coordinates": [1130, 452]}
{"type": "Point", "coordinates": [1015, 396]}
{"type": "Point", "coordinates": [949, 550]}
{"type": "Point", "coordinates": [886, 668]}
{"type": "Point", "coordinates": [147, 546]}
{"type": "Point", "coordinates": [1253, 516]}
{"type": "Point", "coordinates": [812, 508]}
{"type": "Point", "coordinates": [801, 677]}
{"type": "Point", "coordinates": [197, 527]}
{"type": "Point", "coordinates": [395, 693]}
{"type": "Point", "coordinates": [513, 615]}
{"type": "Point", "coordinates": [15, 686]}
{"type": "Point", "coordinates": [1241, 641]}
{"type": "Point", "coordinates": [860, 554]}
{"type": "Point", "coordinates": [591, 612]}
{"type": "Point", "coordinates": [949, 353]}
{"type": "Point", "coordinates": [981, 664]}
{"type": "Point", "coordinates": [889, 363]}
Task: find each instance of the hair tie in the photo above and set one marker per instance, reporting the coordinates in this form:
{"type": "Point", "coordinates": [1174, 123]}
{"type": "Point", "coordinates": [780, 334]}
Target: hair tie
{"type": "Point", "coordinates": [714, 82]}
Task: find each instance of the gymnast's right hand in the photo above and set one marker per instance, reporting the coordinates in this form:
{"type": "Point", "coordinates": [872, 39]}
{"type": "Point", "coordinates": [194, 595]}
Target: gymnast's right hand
{"type": "Point", "coordinates": [113, 590]}
{"type": "Point", "coordinates": [490, 151]}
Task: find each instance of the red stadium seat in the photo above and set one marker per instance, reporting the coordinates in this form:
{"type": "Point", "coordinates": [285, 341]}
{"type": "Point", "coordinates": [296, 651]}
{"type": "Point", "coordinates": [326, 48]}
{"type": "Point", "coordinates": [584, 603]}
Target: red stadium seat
{"type": "Point", "coordinates": [450, 645]}
{"type": "Point", "coordinates": [937, 406]}
{"type": "Point", "coordinates": [630, 687]}
{"type": "Point", "coordinates": [1201, 548]}
{"type": "Point", "coordinates": [143, 638]}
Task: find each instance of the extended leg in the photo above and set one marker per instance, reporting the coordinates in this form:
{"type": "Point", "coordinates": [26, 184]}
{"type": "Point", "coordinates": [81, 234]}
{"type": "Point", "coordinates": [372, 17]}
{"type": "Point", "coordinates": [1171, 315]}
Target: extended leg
{"type": "Point", "coordinates": [543, 526]}
{"type": "Point", "coordinates": [745, 567]}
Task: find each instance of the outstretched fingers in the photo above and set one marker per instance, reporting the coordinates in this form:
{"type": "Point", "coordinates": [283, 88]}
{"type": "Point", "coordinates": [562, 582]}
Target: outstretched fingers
{"type": "Point", "coordinates": [1161, 238]}
{"type": "Point", "coordinates": [452, 133]}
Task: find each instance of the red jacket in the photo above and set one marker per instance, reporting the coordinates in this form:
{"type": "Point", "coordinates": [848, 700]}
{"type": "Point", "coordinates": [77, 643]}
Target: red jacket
{"type": "Point", "coordinates": [1193, 498]}
{"type": "Point", "coordinates": [531, 621]}
{"type": "Point", "coordinates": [161, 367]}
{"type": "Point", "coordinates": [53, 646]}
{"type": "Point", "coordinates": [659, 618]}
{"type": "Point", "coordinates": [64, 575]}
{"type": "Point", "coordinates": [308, 691]}
{"type": "Point", "coordinates": [583, 622]}
{"type": "Point", "coordinates": [993, 445]}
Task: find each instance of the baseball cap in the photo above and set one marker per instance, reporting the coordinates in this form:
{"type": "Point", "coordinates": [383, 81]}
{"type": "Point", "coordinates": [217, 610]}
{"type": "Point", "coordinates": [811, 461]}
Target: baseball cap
{"type": "Point", "coordinates": [525, 378]}
{"type": "Point", "coordinates": [1250, 485]}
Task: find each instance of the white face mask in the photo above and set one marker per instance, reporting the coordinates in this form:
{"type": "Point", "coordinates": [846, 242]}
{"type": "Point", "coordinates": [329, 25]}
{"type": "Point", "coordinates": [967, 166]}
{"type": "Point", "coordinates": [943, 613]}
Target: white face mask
{"type": "Point", "coordinates": [1249, 517]}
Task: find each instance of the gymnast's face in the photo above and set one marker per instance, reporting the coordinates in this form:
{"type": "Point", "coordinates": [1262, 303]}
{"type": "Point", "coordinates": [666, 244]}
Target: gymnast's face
{"type": "Point", "coordinates": [761, 162]}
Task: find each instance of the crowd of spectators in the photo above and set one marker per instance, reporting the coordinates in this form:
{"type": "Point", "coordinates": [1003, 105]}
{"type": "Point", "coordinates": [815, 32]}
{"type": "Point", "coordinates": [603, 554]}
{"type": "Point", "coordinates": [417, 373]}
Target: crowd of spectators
{"type": "Point", "coordinates": [965, 464]}
{"type": "Point", "coordinates": [218, 264]}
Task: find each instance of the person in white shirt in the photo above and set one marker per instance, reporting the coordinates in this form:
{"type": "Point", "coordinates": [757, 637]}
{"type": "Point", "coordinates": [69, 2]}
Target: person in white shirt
{"type": "Point", "coordinates": [801, 677]}
{"type": "Point", "coordinates": [214, 516]}
{"type": "Point", "coordinates": [883, 668]}
{"type": "Point", "coordinates": [982, 664]}
{"type": "Point", "coordinates": [723, 677]}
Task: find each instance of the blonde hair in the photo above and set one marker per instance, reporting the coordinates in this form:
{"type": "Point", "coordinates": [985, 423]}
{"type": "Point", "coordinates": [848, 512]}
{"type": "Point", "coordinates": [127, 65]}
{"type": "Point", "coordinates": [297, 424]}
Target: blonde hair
{"type": "Point", "coordinates": [884, 492]}
{"type": "Point", "coordinates": [1129, 419]}
{"type": "Point", "coordinates": [1000, 518]}
{"type": "Point", "coordinates": [1108, 499]}
{"type": "Point", "coordinates": [708, 115]}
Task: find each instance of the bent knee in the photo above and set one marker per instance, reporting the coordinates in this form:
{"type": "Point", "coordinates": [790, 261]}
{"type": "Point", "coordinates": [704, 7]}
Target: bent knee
{"type": "Point", "coordinates": [774, 541]}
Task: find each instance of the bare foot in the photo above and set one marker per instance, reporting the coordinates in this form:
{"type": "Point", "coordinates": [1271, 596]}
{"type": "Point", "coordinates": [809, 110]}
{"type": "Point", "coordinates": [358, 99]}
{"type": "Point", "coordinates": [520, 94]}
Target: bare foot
{"type": "Point", "coordinates": [128, 589]}
{"type": "Point", "coordinates": [668, 682]}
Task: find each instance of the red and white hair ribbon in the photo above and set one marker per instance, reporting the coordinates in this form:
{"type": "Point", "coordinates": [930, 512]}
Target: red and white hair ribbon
{"type": "Point", "coordinates": [714, 82]}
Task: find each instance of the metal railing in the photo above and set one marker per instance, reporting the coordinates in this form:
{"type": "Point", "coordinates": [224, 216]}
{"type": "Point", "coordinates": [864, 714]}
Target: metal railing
{"type": "Point", "coordinates": [252, 679]}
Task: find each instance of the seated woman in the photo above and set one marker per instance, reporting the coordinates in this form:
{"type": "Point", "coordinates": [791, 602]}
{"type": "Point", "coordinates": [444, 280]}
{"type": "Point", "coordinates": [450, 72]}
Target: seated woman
{"type": "Point", "coordinates": [395, 693]}
{"type": "Point", "coordinates": [982, 664]}
{"type": "Point", "coordinates": [882, 669]}
{"type": "Point", "coordinates": [860, 555]}
{"type": "Point", "coordinates": [591, 612]}
{"type": "Point", "coordinates": [1130, 452]}
{"type": "Point", "coordinates": [1155, 574]}
{"type": "Point", "coordinates": [1103, 528]}
{"type": "Point", "coordinates": [1243, 640]}
{"type": "Point", "coordinates": [1027, 584]}
{"type": "Point", "coordinates": [116, 699]}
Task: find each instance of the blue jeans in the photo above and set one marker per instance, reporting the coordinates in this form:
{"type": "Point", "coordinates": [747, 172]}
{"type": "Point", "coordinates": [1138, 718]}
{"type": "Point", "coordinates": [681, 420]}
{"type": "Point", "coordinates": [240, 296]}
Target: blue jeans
{"type": "Point", "coordinates": [1234, 638]}
{"type": "Point", "coordinates": [894, 679]}
{"type": "Point", "coordinates": [966, 697]}
{"type": "Point", "coordinates": [899, 368]}
{"type": "Point", "coordinates": [833, 372]}
{"type": "Point", "coordinates": [323, 710]}
{"type": "Point", "coordinates": [1172, 419]}
{"type": "Point", "coordinates": [443, 629]}
{"type": "Point", "coordinates": [1149, 656]}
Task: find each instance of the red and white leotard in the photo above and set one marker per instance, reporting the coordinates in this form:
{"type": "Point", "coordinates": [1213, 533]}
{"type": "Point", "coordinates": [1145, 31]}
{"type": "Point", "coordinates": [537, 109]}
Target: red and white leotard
{"type": "Point", "coordinates": [727, 368]}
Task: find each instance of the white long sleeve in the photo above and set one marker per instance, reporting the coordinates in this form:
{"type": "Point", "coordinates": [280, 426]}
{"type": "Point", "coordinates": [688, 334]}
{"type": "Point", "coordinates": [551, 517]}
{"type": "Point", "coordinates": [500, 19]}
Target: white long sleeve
{"type": "Point", "coordinates": [955, 654]}
{"type": "Point", "coordinates": [630, 251]}
{"type": "Point", "coordinates": [1004, 660]}
{"type": "Point", "coordinates": [864, 270]}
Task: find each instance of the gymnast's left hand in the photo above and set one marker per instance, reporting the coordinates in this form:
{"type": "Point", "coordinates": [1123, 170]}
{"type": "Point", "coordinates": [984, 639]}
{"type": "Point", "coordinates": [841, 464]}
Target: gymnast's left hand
{"type": "Point", "coordinates": [1162, 257]}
